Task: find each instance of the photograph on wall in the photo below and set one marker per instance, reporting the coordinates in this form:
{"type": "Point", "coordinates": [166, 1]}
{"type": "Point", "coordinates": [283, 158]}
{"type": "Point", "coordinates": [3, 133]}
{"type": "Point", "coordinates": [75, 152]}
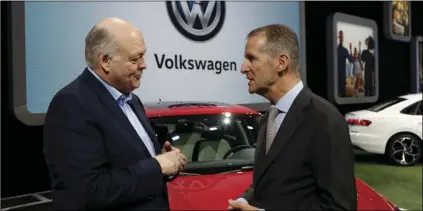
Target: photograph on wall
{"type": "Point", "coordinates": [194, 48]}
{"type": "Point", "coordinates": [398, 20]}
{"type": "Point", "coordinates": [352, 59]}
{"type": "Point", "coordinates": [416, 64]}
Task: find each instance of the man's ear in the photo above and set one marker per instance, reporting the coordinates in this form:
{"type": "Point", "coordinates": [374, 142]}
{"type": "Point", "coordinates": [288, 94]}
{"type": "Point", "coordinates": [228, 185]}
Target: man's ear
{"type": "Point", "coordinates": [283, 62]}
{"type": "Point", "coordinates": [105, 62]}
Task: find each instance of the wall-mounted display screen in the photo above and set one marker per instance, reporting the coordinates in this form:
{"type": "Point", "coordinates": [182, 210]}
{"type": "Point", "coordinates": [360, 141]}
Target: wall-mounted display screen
{"type": "Point", "coordinates": [397, 15]}
{"type": "Point", "coordinates": [416, 64]}
{"type": "Point", "coordinates": [352, 59]}
{"type": "Point", "coordinates": [194, 48]}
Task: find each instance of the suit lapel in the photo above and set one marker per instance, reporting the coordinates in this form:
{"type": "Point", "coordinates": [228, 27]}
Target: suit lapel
{"type": "Point", "coordinates": [261, 136]}
{"type": "Point", "coordinates": [294, 117]}
{"type": "Point", "coordinates": [140, 112]}
{"type": "Point", "coordinates": [107, 99]}
{"type": "Point", "coordinates": [259, 153]}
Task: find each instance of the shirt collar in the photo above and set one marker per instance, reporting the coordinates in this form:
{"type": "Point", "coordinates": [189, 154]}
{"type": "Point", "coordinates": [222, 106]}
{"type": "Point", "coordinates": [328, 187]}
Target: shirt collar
{"type": "Point", "coordinates": [286, 101]}
{"type": "Point", "coordinates": [117, 95]}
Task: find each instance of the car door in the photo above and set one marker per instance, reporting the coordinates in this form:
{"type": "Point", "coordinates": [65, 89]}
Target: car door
{"type": "Point", "coordinates": [418, 118]}
{"type": "Point", "coordinates": [414, 117]}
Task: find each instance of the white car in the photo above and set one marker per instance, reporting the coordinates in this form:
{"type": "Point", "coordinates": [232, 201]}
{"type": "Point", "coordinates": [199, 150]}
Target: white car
{"type": "Point", "coordinates": [393, 128]}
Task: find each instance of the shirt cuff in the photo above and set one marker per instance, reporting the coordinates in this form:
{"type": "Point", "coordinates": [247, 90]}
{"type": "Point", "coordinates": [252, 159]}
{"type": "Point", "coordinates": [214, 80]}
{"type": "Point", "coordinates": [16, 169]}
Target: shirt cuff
{"type": "Point", "coordinates": [242, 200]}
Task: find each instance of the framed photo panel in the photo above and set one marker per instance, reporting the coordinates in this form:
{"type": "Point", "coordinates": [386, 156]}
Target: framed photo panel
{"type": "Point", "coordinates": [397, 19]}
{"type": "Point", "coordinates": [352, 59]}
{"type": "Point", "coordinates": [416, 64]}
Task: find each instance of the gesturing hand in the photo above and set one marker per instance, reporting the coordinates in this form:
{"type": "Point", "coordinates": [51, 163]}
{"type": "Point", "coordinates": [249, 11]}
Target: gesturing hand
{"type": "Point", "coordinates": [167, 147]}
{"type": "Point", "coordinates": [235, 205]}
{"type": "Point", "coordinates": [171, 162]}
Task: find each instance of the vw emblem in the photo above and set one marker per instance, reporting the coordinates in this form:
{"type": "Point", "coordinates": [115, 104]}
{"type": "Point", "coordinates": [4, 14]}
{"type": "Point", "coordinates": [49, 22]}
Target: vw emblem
{"type": "Point", "coordinates": [197, 20]}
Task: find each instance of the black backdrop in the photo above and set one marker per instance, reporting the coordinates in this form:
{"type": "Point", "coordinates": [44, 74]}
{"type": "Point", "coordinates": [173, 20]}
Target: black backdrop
{"type": "Point", "coordinates": [394, 56]}
{"type": "Point", "coordinates": [23, 168]}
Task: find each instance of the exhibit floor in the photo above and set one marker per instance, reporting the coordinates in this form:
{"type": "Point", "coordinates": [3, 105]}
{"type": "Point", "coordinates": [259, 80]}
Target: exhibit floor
{"type": "Point", "coordinates": [401, 185]}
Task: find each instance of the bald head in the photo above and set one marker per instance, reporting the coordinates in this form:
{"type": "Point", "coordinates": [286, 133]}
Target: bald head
{"type": "Point", "coordinates": [106, 38]}
{"type": "Point", "coordinates": [115, 49]}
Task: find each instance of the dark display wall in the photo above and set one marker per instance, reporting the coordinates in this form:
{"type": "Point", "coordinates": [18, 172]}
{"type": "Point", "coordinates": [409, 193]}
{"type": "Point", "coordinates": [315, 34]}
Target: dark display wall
{"type": "Point", "coordinates": [394, 56]}
{"type": "Point", "coordinates": [23, 168]}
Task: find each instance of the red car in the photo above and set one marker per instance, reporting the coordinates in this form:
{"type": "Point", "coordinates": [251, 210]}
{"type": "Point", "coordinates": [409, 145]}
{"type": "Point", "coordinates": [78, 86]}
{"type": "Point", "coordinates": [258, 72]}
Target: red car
{"type": "Point", "coordinates": [218, 140]}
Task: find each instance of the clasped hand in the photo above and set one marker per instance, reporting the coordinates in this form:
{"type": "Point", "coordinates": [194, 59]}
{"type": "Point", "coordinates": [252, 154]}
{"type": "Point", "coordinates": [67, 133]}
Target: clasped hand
{"type": "Point", "coordinates": [171, 160]}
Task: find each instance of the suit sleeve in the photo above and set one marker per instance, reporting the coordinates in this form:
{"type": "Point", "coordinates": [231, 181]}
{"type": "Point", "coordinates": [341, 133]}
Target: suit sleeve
{"type": "Point", "coordinates": [153, 125]}
{"type": "Point", "coordinates": [248, 194]}
{"type": "Point", "coordinates": [75, 148]}
{"type": "Point", "coordinates": [333, 166]}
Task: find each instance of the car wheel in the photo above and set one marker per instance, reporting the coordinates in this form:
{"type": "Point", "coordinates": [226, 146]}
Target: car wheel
{"type": "Point", "coordinates": [404, 149]}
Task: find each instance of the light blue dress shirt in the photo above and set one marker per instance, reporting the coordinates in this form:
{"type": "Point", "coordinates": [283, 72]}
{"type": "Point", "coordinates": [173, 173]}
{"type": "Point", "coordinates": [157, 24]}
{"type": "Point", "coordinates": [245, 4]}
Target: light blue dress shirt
{"type": "Point", "coordinates": [122, 100]}
{"type": "Point", "coordinates": [283, 104]}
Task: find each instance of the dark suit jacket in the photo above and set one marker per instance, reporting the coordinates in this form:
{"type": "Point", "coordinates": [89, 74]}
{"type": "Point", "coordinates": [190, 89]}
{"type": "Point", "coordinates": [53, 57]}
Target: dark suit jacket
{"type": "Point", "coordinates": [95, 157]}
{"type": "Point", "coordinates": [310, 165]}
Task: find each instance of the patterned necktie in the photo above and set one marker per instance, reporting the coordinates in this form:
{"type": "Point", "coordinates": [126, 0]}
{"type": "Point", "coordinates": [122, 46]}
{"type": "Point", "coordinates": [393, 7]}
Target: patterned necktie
{"type": "Point", "coordinates": [271, 127]}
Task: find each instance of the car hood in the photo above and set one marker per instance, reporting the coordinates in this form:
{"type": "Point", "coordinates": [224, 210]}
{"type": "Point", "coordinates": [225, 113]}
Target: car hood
{"type": "Point", "coordinates": [207, 192]}
{"type": "Point", "coordinates": [211, 192]}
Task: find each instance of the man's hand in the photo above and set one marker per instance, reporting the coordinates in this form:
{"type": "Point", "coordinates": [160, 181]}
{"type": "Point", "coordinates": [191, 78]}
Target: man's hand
{"type": "Point", "coordinates": [235, 205]}
{"type": "Point", "coordinates": [167, 147]}
{"type": "Point", "coordinates": [171, 162]}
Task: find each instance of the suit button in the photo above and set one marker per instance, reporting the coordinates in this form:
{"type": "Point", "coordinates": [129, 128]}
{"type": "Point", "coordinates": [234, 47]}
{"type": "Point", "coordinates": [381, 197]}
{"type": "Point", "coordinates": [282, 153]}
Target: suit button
{"type": "Point", "coordinates": [150, 198]}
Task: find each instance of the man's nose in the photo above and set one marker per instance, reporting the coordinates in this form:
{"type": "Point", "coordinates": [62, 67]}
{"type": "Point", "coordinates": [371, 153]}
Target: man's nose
{"type": "Point", "coordinates": [142, 65]}
{"type": "Point", "coordinates": [244, 68]}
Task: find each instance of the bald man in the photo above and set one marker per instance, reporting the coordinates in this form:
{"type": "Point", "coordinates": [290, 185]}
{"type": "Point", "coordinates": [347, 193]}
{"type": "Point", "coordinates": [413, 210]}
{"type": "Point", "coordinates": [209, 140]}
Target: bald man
{"type": "Point", "coordinates": [100, 149]}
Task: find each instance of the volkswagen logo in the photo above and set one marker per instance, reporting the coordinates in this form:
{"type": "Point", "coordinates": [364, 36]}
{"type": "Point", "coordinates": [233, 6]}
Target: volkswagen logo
{"type": "Point", "coordinates": [197, 20]}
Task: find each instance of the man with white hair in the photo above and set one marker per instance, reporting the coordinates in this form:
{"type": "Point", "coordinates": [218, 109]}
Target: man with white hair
{"type": "Point", "coordinates": [100, 149]}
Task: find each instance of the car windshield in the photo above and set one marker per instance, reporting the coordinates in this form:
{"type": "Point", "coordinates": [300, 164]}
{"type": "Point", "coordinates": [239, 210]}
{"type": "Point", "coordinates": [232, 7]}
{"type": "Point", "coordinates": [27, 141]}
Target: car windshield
{"type": "Point", "coordinates": [212, 143]}
{"type": "Point", "coordinates": [385, 104]}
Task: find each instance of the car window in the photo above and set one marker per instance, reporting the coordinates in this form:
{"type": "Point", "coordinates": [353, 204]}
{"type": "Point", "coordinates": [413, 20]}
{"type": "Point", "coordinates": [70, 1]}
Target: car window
{"type": "Point", "coordinates": [420, 109]}
{"type": "Point", "coordinates": [413, 109]}
{"type": "Point", "coordinates": [253, 125]}
{"type": "Point", "coordinates": [380, 106]}
{"type": "Point", "coordinates": [204, 138]}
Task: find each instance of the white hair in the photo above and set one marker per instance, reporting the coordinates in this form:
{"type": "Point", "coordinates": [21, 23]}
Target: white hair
{"type": "Point", "coordinates": [99, 40]}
